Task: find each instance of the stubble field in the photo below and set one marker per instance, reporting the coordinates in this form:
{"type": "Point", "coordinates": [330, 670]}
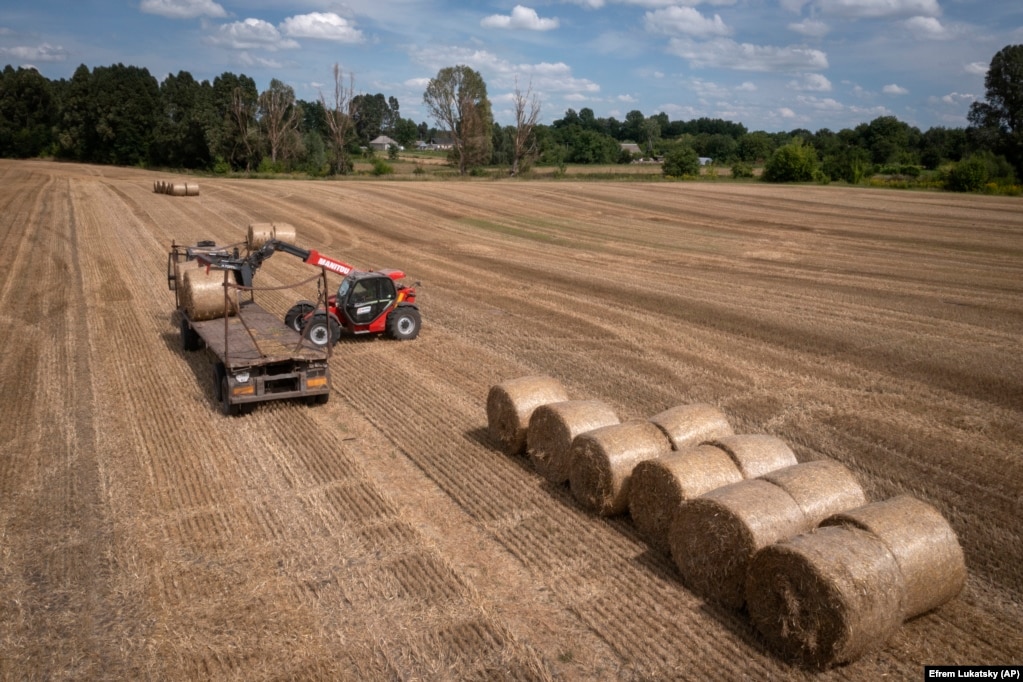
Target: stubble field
{"type": "Point", "coordinates": [143, 535]}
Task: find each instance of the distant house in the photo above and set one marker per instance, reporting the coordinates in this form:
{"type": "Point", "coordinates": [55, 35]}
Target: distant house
{"type": "Point", "coordinates": [706, 160]}
{"type": "Point", "coordinates": [382, 143]}
{"type": "Point", "coordinates": [632, 148]}
{"type": "Point", "coordinates": [440, 141]}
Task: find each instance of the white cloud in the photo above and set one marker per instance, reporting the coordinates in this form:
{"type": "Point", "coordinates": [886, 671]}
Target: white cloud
{"type": "Point", "coordinates": [820, 104]}
{"type": "Point", "coordinates": [43, 52]}
{"type": "Point", "coordinates": [247, 59]}
{"type": "Point", "coordinates": [876, 9]}
{"type": "Point", "coordinates": [976, 68]}
{"type": "Point", "coordinates": [520, 18]}
{"type": "Point", "coordinates": [785, 112]}
{"type": "Point", "coordinates": [546, 77]}
{"type": "Point", "coordinates": [811, 27]}
{"type": "Point", "coordinates": [321, 26]}
{"type": "Point", "coordinates": [927, 27]}
{"type": "Point", "coordinates": [728, 54]}
{"type": "Point", "coordinates": [182, 9]}
{"type": "Point", "coordinates": [811, 82]}
{"type": "Point", "coordinates": [747, 86]}
{"type": "Point", "coordinates": [251, 34]}
{"type": "Point", "coordinates": [956, 98]}
{"type": "Point", "coordinates": [893, 89]}
{"type": "Point", "coordinates": [685, 20]}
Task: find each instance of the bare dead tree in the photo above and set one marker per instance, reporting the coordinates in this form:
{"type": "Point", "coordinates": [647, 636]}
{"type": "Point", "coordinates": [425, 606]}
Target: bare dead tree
{"type": "Point", "coordinates": [341, 119]}
{"type": "Point", "coordinates": [243, 113]}
{"type": "Point", "coordinates": [527, 113]}
{"type": "Point", "coordinates": [279, 117]}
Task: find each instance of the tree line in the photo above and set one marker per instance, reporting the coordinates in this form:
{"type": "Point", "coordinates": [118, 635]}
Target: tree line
{"type": "Point", "coordinates": [123, 115]}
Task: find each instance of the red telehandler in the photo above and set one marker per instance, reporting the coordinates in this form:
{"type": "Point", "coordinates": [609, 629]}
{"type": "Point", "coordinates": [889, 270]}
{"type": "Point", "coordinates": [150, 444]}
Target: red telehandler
{"type": "Point", "coordinates": [365, 302]}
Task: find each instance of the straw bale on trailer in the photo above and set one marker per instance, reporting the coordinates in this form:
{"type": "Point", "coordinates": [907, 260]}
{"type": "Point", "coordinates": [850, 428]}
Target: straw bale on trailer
{"type": "Point", "coordinates": [826, 597]}
{"type": "Point", "coordinates": [820, 488]}
{"type": "Point", "coordinates": [714, 537]}
{"type": "Point", "coordinates": [660, 486]}
{"type": "Point", "coordinates": [923, 543]}
{"type": "Point", "coordinates": [603, 460]}
{"type": "Point", "coordinates": [756, 454]}
{"type": "Point", "coordinates": [261, 233]}
{"type": "Point", "coordinates": [511, 403]}
{"type": "Point", "coordinates": [203, 294]}
{"type": "Point", "coordinates": [554, 426]}
{"type": "Point", "coordinates": [689, 425]}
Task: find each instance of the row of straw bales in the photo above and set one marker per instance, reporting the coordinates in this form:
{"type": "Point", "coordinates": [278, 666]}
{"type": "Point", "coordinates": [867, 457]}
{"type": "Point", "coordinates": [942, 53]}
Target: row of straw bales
{"type": "Point", "coordinates": [176, 189]}
{"type": "Point", "coordinates": [825, 575]}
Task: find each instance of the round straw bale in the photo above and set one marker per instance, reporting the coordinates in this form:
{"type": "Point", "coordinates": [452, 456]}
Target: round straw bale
{"type": "Point", "coordinates": [203, 294]}
{"type": "Point", "coordinates": [261, 233]}
{"type": "Point", "coordinates": [820, 488]}
{"type": "Point", "coordinates": [714, 536]}
{"type": "Point", "coordinates": [923, 544]}
{"type": "Point", "coordinates": [660, 486]}
{"type": "Point", "coordinates": [825, 597]}
{"type": "Point", "coordinates": [178, 189]}
{"type": "Point", "coordinates": [192, 189]}
{"type": "Point", "coordinates": [554, 426]}
{"type": "Point", "coordinates": [689, 425]}
{"type": "Point", "coordinates": [603, 461]}
{"type": "Point", "coordinates": [756, 454]}
{"type": "Point", "coordinates": [510, 404]}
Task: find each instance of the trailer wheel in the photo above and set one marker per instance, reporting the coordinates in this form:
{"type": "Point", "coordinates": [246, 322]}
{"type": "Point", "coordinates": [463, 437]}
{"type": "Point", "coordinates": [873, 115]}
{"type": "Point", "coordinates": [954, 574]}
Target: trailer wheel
{"type": "Point", "coordinates": [226, 406]}
{"type": "Point", "coordinates": [190, 339]}
{"type": "Point", "coordinates": [295, 317]}
{"type": "Point", "coordinates": [404, 323]}
{"type": "Point", "coordinates": [321, 399]}
{"type": "Point", "coordinates": [323, 329]}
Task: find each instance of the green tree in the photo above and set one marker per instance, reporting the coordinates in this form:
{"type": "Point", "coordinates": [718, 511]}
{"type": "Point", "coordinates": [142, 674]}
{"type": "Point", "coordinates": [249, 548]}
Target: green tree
{"type": "Point", "coordinates": [969, 175]}
{"type": "Point", "coordinates": [680, 161]}
{"type": "Point", "coordinates": [754, 147]}
{"type": "Point", "coordinates": [998, 122]}
{"type": "Point", "coordinates": [793, 162]}
{"type": "Point", "coordinates": [26, 113]}
{"type": "Point", "coordinates": [851, 164]}
{"type": "Point", "coordinates": [231, 131]}
{"type": "Point", "coordinates": [371, 113]}
{"type": "Point", "coordinates": [179, 139]}
{"type": "Point", "coordinates": [457, 100]}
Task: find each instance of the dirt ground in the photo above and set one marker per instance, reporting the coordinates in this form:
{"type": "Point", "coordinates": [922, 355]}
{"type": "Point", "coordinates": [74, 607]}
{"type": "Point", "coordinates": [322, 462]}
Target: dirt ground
{"type": "Point", "coordinates": [143, 535]}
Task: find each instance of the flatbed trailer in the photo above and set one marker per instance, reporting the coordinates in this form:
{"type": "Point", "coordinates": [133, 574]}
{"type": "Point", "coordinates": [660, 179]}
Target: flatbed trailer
{"type": "Point", "coordinates": [255, 356]}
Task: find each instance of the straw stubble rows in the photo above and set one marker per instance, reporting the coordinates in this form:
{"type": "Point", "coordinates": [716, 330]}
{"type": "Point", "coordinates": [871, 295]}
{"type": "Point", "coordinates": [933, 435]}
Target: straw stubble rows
{"type": "Point", "coordinates": [383, 534]}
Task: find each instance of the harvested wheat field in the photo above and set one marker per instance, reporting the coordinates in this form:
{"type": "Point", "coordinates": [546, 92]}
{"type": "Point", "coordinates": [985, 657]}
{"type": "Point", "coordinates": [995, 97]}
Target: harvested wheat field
{"type": "Point", "coordinates": [385, 535]}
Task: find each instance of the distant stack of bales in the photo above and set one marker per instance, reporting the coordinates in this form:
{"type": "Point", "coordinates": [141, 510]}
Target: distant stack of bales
{"type": "Point", "coordinates": [826, 575]}
{"type": "Point", "coordinates": [176, 189]}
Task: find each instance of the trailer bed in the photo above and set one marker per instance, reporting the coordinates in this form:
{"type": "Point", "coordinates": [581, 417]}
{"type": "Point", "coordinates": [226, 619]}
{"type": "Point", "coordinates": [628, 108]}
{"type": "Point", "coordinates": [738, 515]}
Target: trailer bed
{"type": "Point", "coordinates": [254, 337]}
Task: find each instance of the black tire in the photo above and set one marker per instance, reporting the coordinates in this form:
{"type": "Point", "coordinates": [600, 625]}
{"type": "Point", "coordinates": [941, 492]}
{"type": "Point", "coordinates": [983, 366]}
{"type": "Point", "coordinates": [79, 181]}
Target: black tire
{"type": "Point", "coordinates": [323, 329]}
{"type": "Point", "coordinates": [404, 323]}
{"type": "Point", "coordinates": [225, 403]}
{"type": "Point", "coordinates": [190, 339]}
{"type": "Point", "coordinates": [321, 399]}
{"type": "Point", "coordinates": [295, 317]}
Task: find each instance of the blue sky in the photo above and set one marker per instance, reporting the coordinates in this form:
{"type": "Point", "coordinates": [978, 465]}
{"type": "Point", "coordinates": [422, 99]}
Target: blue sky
{"type": "Point", "coordinates": [773, 65]}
